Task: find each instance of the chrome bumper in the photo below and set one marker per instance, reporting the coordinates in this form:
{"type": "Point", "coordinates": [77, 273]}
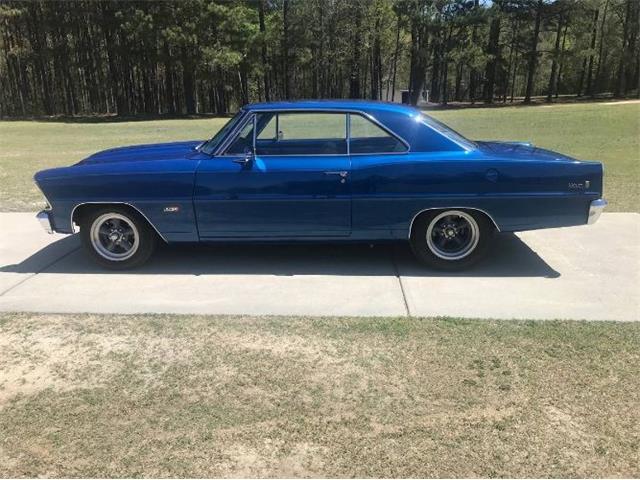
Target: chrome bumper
{"type": "Point", "coordinates": [596, 208]}
{"type": "Point", "coordinates": [45, 221]}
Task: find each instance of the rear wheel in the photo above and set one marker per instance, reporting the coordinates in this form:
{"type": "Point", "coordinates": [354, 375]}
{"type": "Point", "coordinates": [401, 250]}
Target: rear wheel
{"type": "Point", "coordinates": [117, 238]}
{"type": "Point", "coordinates": [451, 239]}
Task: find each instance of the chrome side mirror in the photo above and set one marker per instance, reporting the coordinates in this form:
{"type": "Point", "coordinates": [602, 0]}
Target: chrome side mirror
{"type": "Point", "coordinates": [249, 156]}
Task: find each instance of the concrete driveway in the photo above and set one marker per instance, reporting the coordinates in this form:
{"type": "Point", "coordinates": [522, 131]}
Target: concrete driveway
{"type": "Point", "coordinates": [576, 273]}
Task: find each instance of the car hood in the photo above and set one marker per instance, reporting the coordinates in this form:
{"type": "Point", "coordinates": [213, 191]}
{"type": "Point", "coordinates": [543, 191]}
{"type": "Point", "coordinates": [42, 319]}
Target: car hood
{"type": "Point", "coordinates": [138, 153]}
{"type": "Point", "coordinates": [520, 151]}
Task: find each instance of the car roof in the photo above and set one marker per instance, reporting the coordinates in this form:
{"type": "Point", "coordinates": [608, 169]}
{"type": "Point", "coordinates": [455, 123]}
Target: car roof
{"type": "Point", "coordinates": [357, 105]}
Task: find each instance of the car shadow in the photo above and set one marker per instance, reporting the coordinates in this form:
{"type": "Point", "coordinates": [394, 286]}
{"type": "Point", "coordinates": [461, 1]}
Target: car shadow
{"type": "Point", "coordinates": [510, 257]}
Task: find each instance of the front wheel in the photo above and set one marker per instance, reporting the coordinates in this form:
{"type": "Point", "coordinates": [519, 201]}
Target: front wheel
{"type": "Point", "coordinates": [451, 239]}
{"type": "Point", "coordinates": [117, 238]}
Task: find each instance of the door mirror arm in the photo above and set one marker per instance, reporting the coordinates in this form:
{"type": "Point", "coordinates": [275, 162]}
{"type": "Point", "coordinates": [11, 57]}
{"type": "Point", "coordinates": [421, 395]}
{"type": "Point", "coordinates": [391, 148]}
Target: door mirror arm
{"type": "Point", "coordinates": [248, 157]}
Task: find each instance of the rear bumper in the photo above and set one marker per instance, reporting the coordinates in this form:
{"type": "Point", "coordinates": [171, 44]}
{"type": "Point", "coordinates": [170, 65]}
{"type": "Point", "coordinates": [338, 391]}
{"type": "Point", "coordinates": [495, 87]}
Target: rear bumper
{"type": "Point", "coordinates": [596, 208]}
{"type": "Point", "coordinates": [45, 221]}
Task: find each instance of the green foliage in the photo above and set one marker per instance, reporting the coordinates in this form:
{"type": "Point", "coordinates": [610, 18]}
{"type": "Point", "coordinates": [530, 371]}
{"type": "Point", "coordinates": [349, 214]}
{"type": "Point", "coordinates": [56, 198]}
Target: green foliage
{"type": "Point", "coordinates": [193, 56]}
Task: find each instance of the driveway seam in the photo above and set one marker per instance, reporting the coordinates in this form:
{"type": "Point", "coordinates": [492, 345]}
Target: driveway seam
{"type": "Point", "coordinates": [404, 296]}
{"type": "Point", "coordinates": [29, 277]}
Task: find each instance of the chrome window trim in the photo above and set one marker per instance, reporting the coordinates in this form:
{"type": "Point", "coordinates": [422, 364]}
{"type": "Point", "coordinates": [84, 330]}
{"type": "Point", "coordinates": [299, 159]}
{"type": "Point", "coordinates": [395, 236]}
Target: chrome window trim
{"type": "Point", "coordinates": [232, 135]}
{"type": "Point", "coordinates": [346, 112]}
{"type": "Point", "coordinates": [348, 131]}
{"type": "Point", "coordinates": [450, 208]}
{"type": "Point", "coordinates": [73, 230]}
{"type": "Point", "coordinates": [253, 134]}
{"type": "Point", "coordinates": [250, 118]}
{"type": "Point", "coordinates": [306, 155]}
{"type": "Point", "coordinates": [426, 124]}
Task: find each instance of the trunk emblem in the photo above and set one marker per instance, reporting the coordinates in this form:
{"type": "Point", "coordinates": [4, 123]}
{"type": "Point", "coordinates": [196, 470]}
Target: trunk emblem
{"type": "Point", "coordinates": [579, 186]}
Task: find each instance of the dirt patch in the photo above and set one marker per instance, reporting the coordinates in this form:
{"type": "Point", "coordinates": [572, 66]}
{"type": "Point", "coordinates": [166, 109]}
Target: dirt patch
{"type": "Point", "coordinates": [170, 396]}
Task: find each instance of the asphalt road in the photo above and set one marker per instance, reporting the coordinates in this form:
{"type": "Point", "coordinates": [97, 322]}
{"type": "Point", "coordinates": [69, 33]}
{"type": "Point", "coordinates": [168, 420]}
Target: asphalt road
{"type": "Point", "coordinates": [589, 272]}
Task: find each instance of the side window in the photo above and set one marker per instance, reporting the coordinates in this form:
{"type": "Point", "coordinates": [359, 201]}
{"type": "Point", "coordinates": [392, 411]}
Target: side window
{"type": "Point", "coordinates": [302, 133]}
{"type": "Point", "coordinates": [243, 141]}
{"type": "Point", "coordinates": [367, 137]}
{"type": "Point", "coordinates": [270, 129]}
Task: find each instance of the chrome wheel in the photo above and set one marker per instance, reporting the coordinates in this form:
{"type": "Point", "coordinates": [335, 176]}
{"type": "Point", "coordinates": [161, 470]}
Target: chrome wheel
{"type": "Point", "coordinates": [114, 237]}
{"type": "Point", "coordinates": [452, 235]}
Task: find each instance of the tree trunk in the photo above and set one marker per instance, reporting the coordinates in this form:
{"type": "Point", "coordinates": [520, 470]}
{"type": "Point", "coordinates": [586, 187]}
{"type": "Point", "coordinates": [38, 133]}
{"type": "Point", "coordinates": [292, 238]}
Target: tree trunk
{"type": "Point", "coordinates": [356, 40]}
{"type": "Point", "coordinates": [598, 79]}
{"type": "Point", "coordinates": [594, 34]}
{"type": "Point", "coordinates": [512, 49]}
{"type": "Point", "coordinates": [458, 88]}
{"type": "Point", "coordinates": [513, 79]}
{"type": "Point", "coordinates": [376, 63]}
{"type": "Point", "coordinates": [583, 72]}
{"type": "Point", "coordinates": [38, 41]}
{"type": "Point", "coordinates": [263, 51]}
{"type": "Point", "coordinates": [493, 49]}
{"type": "Point", "coordinates": [561, 63]}
{"type": "Point", "coordinates": [419, 51]}
{"type": "Point", "coordinates": [621, 89]}
{"type": "Point", "coordinates": [533, 54]}
{"type": "Point", "coordinates": [112, 61]}
{"type": "Point", "coordinates": [554, 61]}
{"type": "Point", "coordinates": [188, 82]}
{"type": "Point", "coordinates": [169, 95]}
{"type": "Point", "coordinates": [395, 61]}
{"type": "Point", "coordinates": [445, 67]}
{"type": "Point", "coordinates": [434, 94]}
{"type": "Point", "coordinates": [473, 73]}
{"type": "Point", "coordinates": [285, 50]}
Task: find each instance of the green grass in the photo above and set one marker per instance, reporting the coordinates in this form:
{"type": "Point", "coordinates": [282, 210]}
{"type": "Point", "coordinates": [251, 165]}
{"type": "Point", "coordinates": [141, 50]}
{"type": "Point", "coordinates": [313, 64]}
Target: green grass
{"type": "Point", "coordinates": [176, 396]}
{"type": "Point", "coordinates": [609, 133]}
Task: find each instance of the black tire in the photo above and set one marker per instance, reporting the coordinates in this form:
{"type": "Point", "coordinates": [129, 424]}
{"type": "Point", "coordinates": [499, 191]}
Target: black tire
{"type": "Point", "coordinates": [131, 229]}
{"type": "Point", "coordinates": [440, 252]}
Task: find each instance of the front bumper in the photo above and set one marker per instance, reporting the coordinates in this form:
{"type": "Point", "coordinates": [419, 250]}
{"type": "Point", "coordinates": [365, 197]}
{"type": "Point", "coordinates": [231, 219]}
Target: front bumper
{"type": "Point", "coordinates": [596, 208]}
{"type": "Point", "coordinates": [45, 221]}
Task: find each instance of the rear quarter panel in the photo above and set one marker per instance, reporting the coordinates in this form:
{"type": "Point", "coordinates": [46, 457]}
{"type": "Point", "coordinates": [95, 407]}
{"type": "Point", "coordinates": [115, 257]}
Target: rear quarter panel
{"type": "Point", "coordinates": [389, 190]}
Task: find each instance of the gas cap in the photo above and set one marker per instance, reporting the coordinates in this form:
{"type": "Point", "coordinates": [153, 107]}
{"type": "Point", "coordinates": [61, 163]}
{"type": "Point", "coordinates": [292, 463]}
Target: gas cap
{"type": "Point", "coordinates": [492, 175]}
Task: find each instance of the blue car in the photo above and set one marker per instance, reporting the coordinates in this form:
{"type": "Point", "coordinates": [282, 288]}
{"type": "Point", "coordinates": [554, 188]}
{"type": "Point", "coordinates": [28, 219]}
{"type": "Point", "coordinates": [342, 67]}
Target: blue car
{"type": "Point", "coordinates": [321, 171]}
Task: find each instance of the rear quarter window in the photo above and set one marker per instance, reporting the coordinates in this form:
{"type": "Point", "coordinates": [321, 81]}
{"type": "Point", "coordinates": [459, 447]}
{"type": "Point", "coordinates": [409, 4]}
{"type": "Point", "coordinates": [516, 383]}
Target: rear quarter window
{"type": "Point", "coordinates": [368, 137]}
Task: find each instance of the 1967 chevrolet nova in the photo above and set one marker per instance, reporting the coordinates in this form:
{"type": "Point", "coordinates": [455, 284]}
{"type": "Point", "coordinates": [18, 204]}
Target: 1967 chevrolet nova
{"type": "Point", "coordinates": [320, 171]}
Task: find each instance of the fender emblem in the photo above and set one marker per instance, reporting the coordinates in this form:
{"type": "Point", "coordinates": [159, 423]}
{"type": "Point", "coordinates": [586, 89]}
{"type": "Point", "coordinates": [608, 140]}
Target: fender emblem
{"type": "Point", "coordinates": [171, 209]}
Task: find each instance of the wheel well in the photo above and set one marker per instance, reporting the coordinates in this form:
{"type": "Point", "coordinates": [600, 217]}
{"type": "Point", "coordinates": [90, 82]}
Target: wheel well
{"type": "Point", "coordinates": [464, 209]}
{"type": "Point", "coordinates": [84, 209]}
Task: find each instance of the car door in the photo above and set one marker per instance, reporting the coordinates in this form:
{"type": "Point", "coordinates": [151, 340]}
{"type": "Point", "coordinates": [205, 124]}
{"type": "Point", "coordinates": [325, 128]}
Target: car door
{"type": "Point", "coordinates": [285, 174]}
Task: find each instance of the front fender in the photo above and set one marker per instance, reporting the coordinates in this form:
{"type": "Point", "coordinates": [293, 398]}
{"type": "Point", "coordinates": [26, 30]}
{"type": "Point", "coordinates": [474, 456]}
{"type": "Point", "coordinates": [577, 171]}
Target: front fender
{"type": "Point", "coordinates": [163, 194]}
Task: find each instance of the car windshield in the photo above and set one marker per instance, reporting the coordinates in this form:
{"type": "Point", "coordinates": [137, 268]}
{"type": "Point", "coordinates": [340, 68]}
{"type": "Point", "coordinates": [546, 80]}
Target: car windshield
{"type": "Point", "coordinates": [447, 131]}
{"type": "Point", "coordinates": [210, 146]}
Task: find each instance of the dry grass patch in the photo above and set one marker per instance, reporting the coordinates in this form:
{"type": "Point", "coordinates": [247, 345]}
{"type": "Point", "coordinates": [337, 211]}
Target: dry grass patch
{"type": "Point", "coordinates": [89, 395]}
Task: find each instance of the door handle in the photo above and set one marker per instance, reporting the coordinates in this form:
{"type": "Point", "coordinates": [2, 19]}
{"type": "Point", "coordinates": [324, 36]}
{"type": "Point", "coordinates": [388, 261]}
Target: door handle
{"type": "Point", "coordinates": [342, 173]}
